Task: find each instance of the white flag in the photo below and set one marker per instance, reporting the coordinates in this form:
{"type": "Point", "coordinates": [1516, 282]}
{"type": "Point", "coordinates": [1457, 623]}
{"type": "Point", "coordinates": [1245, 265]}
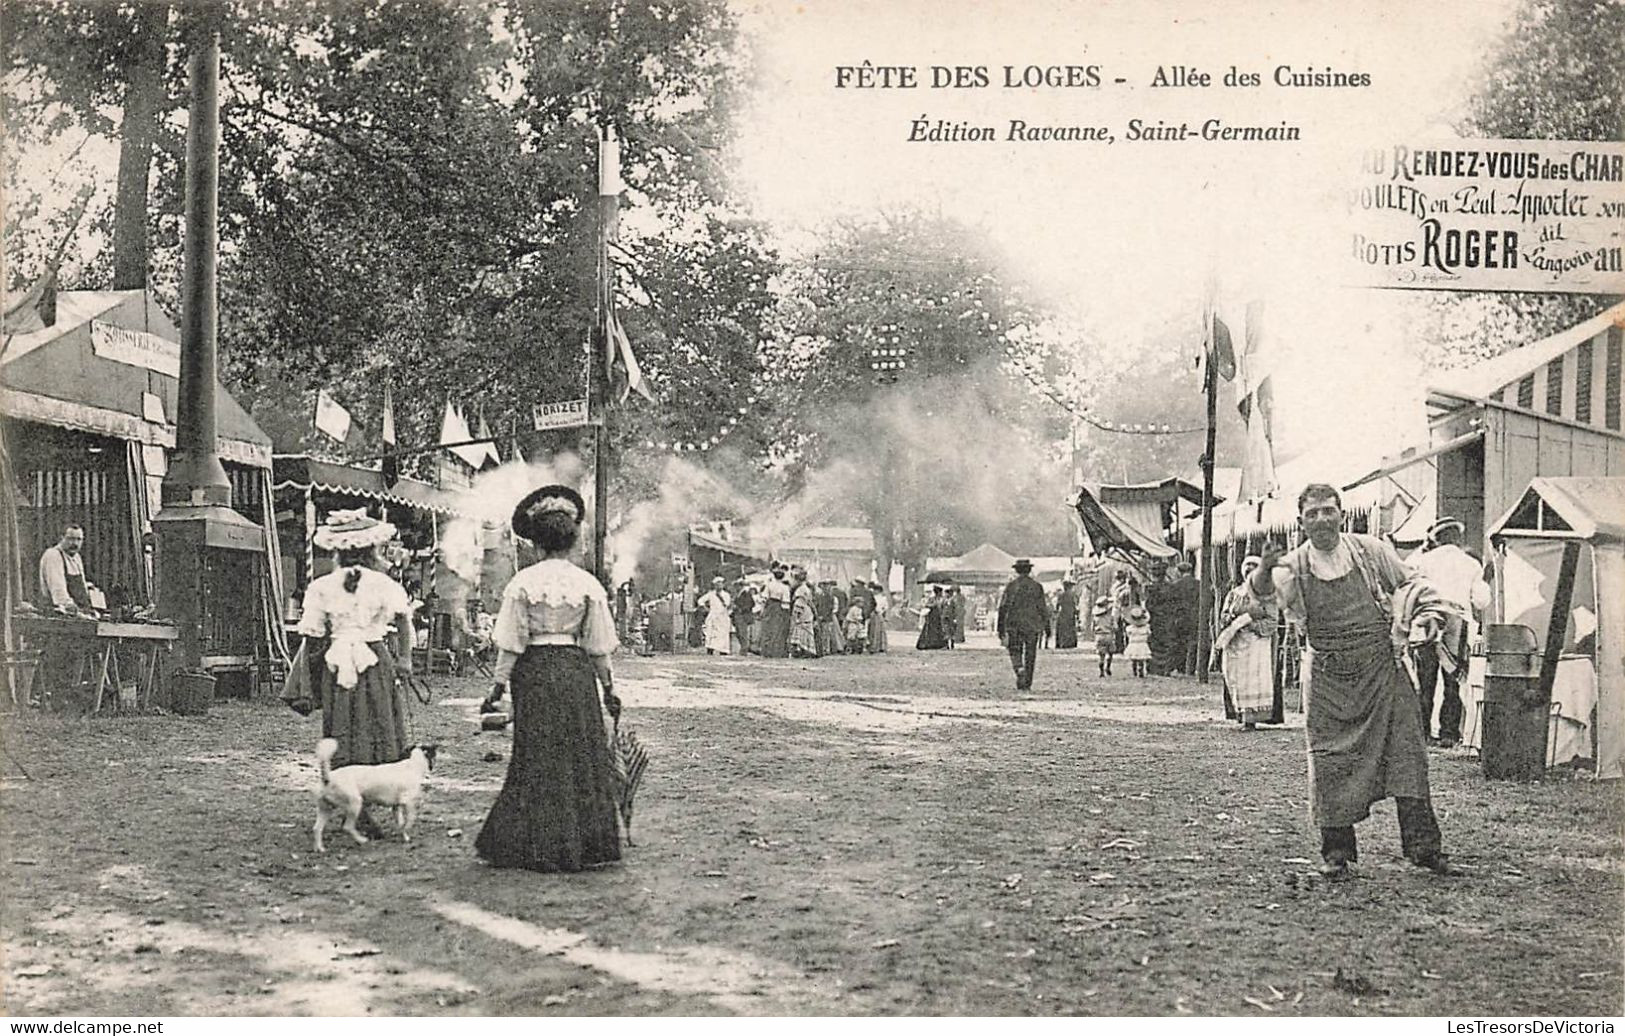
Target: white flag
{"type": "Point", "coordinates": [332, 420]}
{"type": "Point", "coordinates": [627, 374]}
{"type": "Point", "coordinates": [389, 417]}
{"type": "Point", "coordinates": [454, 428]}
{"type": "Point", "coordinates": [609, 164]}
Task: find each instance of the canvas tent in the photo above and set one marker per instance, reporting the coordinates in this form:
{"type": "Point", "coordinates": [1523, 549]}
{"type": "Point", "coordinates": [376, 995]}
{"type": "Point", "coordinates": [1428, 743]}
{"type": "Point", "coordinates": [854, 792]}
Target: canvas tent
{"type": "Point", "coordinates": [1112, 533]}
{"type": "Point", "coordinates": [985, 565]}
{"type": "Point", "coordinates": [830, 552]}
{"type": "Point", "coordinates": [711, 555]}
{"type": "Point", "coordinates": [1530, 539]}
{"type": "Point", "coordinates": [89, 404]}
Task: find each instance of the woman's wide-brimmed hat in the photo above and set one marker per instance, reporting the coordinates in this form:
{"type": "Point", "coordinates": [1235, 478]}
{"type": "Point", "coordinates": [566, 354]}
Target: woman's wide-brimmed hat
{"type": "Point", "coordinates": [546, 499]}
{"type": "Point", "coordinates": [352, 530]}
{"type": "Point", "coordinates": [1137, 614]}
{"type": "Point", "coordinates": [1443, 524]}
{"type": "Point", "coordinates": [1103, 605]}
{"type": "Point", "coordinates": [1252, 559]}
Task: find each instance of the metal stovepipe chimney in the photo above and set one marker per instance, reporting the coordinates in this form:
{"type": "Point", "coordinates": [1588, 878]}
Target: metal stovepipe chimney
{"type": "Point", "coordinates": [196, 476]}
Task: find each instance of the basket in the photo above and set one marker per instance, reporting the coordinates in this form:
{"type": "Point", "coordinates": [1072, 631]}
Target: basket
{"type": "Point", "coordinates": [193, 693]}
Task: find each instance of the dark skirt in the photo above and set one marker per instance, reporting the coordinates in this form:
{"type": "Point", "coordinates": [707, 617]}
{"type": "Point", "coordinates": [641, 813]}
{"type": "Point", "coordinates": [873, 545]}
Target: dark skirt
{"type": "Point", "coordinates": [775, 630]}
{"type": "Point", "coordinates": [368, 722]}
{"type": "Point", "coordinates": [932, 637]}
{"type": "Point", "coordinates": [556, 810]}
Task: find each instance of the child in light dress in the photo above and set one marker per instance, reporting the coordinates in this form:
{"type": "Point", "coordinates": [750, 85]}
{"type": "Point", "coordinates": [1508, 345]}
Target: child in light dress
{"type": "Point", "coordinates": [1138, 650]}
{"type": "Point", "coordinates": [856, 628]}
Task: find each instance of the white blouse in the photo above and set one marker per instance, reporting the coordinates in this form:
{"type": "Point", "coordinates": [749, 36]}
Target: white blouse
{"type": "Point", "coordinates": [555, 602]}
{"type": "Point", "coordinates": [366, 615]}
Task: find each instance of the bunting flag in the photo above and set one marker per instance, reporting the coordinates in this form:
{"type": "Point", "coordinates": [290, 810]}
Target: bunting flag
{"type": "Point", "coordinates": [392, 460]}
{"type": "Point", "coordinates": [332, 420]}
{"type": "Point", "coordinates": [489, 446]}
{"type": "Point", "coordinates": [389, 417]}
{"type": "Point", "coordinates": [1255, 399]}
{"type": "Point", "coordinates": [454, 429]}
{"type": "Point", "coordinates": [625, 373]}
{"type": "Point", "coordinates": [517, 454]}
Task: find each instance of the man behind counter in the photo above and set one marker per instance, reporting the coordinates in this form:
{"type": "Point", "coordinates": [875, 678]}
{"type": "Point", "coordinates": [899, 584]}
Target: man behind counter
{"type": "Point", "coordinates": [62, 584]}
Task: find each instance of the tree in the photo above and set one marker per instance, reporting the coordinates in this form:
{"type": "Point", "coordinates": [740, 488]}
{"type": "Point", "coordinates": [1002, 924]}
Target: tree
{"type": "Point", "coordinates": [1556, 75]}
{"type": "Point", "coordinates": [407, 191]}
{"type": "Point", "coordinates": [946, 451]}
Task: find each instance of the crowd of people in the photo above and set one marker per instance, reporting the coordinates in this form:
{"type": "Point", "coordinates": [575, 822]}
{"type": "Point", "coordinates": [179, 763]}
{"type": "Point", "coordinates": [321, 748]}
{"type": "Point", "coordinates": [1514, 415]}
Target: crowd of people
{"type": "Point", "coordinates": [789, 615]}
{"type": "Point", "coordinates": [1362, 609]}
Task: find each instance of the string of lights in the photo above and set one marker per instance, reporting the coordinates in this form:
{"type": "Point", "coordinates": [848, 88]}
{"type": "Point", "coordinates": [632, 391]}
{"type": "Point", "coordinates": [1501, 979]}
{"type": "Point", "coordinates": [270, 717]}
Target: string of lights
{"type": "Point", "coordinates": [703, 445]}
{"type": "Point", "coordinates": [1115, 427]}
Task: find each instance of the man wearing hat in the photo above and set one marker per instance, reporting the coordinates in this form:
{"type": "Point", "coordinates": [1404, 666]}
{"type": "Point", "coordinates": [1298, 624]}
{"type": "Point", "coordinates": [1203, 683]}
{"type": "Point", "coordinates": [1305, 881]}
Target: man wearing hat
{"type": "Point", "coordinates": [1459, 579]}
{"type": "Point", "coordinates": [1365, 743]}
{"type": "Point", "coordinates": [1024, 619]}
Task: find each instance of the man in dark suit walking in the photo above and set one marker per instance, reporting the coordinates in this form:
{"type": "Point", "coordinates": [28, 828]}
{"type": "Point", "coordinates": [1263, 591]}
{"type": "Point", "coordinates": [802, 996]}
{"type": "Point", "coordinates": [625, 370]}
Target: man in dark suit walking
{"type": "Point", "coordinates": [1024, 618]}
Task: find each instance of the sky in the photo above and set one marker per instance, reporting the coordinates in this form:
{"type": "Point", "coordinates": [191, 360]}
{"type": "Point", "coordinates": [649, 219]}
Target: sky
{"type": "Point", "coordinates": [1127, 237]}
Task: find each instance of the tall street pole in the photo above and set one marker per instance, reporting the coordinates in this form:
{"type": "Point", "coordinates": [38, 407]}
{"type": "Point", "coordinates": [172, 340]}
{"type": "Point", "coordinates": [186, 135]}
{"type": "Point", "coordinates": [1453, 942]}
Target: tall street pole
{"type": "Point", "coordinates": [603, 345]}
{"type": "Point", "coordinates": [1204, 635]}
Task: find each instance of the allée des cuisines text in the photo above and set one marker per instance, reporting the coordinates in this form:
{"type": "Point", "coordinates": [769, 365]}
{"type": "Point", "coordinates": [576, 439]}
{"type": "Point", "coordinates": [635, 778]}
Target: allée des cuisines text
{"type": "Point", "coordinates": [927, 129]}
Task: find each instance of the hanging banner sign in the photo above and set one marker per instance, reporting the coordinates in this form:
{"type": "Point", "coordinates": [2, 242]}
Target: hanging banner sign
{"type": "Point", "coordinates": [136, 348]}
{"type": "Point", "coordinates": [1490, 215]}
{"type": "Point", "coordinates": [571, 413]}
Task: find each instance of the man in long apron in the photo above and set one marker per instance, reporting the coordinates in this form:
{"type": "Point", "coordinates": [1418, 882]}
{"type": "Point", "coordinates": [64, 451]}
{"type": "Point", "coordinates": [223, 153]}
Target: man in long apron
{"type": "Point", "coordinates": [1365, 737]}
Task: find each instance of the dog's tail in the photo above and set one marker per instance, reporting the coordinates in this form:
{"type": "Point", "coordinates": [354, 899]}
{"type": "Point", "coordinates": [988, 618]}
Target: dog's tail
{"type": "Point", "coordinates": [325, 748]}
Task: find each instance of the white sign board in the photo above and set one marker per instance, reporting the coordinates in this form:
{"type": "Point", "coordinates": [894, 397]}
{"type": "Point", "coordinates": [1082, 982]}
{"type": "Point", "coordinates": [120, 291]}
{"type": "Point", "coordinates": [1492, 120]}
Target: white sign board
{"type": "Point", "coordinates": [1490, 215]}
{"type": "Point", "coordinates": [570, 413]}
{"type": "Point", "coordinates": [136, 348]}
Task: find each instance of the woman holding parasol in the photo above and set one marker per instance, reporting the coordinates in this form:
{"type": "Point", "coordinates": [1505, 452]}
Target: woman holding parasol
{"type": "Point", "coordinates": [554, 634]}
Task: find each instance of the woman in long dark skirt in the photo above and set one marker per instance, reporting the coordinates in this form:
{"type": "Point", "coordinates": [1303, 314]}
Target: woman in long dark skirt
{"type": "Point", "coordinates": [357, 625]}
{"type": "Point", "coordinates": [555, 633]}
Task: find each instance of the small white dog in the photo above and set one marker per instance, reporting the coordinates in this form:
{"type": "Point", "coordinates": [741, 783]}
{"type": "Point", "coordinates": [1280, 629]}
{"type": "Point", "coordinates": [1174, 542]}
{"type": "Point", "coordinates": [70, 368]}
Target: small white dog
{"type": "Point", "coordinates": [347, 789]}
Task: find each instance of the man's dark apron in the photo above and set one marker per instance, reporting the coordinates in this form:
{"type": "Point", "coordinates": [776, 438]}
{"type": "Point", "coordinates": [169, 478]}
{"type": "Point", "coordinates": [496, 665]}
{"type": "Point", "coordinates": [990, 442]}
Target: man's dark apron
{"type": "Point", "coordinates": [1365, 743]}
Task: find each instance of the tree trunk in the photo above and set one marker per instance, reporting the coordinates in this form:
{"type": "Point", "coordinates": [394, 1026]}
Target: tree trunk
{"type": "Point", "coordinates": [143, 100]}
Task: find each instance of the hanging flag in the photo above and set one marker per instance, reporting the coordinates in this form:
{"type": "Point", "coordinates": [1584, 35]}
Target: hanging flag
{"type": "Point", "coordinates": [489, 446]}
{"type": "Point", "coordinates": [625, 372]}
{"type": "Point", "coordinates": [1217, 346]}
{"type": "Point", "coordinates": [454, 429]}
{"type": "Point", "coordinates": [1255, 401]}
{"type": "Point", "coordinates": [610, 183]}
{"type": "Point", "coordinates": [389, 417]}
{"type": "Point", "coordinates": [392, 460]}
{"type": "Point", "coordinates": [332, 420]}
{"type": "Point", "coordinates": [35, 310]}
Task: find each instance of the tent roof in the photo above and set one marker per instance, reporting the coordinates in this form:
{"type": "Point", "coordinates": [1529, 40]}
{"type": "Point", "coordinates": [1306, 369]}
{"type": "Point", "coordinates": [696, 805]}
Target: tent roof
{"type": "Point", "coordinates": [1167, 490]}
{"type": "Point", "coordinates": [1593, 508]}
{"type": "Point", "coordinates": [739, 548]}
{"type": "Point", "coordinates": [299, 471]}
{"type": "Point", "coordinates": [830, 538]}
{"type": "Point", "coordinates": [1491, 376]}
{"type": "Point", "coordinates": [55, 376]}
{"type": "Point", "coordinates": [1107, 529]}
{"type": "Point", "coordinates": [985, 563]}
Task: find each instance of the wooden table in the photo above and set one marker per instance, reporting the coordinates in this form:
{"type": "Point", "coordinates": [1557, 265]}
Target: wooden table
{"type": "Point", "coordinates": [98, 641]}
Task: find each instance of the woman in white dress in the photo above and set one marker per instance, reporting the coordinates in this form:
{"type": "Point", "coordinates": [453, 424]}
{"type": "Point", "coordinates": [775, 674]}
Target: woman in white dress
{"type": "Point", "coordinates": [717, 606]}
{"type": "Point", "coordinates": [1247, 638]}
{"type": "Point", "coordinates": [358, 628]}
{"type": "Point", "coordinates": [554, 635]}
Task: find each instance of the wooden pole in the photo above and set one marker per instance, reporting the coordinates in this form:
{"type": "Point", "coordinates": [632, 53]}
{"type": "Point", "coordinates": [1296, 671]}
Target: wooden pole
{"type": "Point", "coordinates": [602, 344]}
{"type": "Point", "coordinates": [1204, 635]}
{"type": "Point", "coordinates": [1556, 631]}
